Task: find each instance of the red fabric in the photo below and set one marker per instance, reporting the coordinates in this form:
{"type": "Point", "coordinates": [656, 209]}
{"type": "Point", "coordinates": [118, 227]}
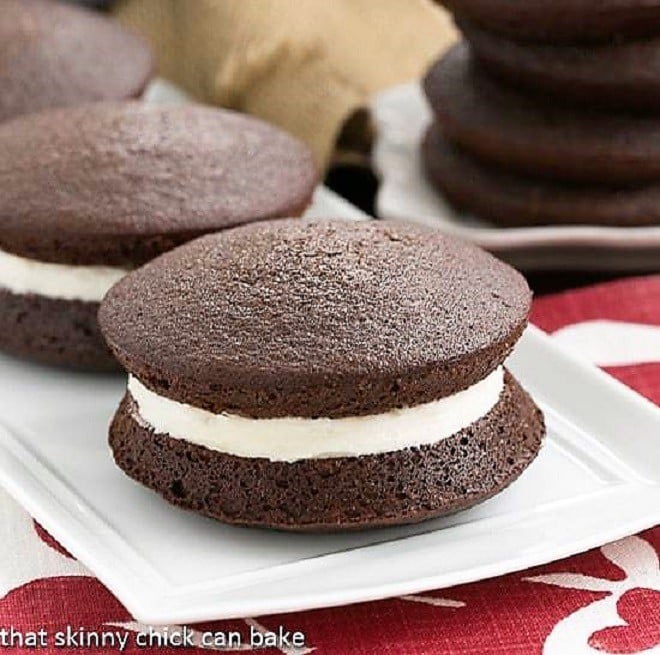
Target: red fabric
{"type": "Point", "coordinates": [510, 615]}
{"type": "Point", "coordinates": [634, 299]}
{"type": "Point", "coordinates": [644, 378]}
{"type": "Point", "coordinates": [633, 608]}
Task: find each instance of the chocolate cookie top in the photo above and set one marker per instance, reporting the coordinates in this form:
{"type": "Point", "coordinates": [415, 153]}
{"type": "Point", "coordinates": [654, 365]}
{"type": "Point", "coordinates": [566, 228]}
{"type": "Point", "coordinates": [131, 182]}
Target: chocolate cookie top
{"type": "Point", "coordinates": [56, 55]}
{"type": "Point", "coordinates": [119, 183]}
{"type": "Point", "coordinates": [536, 137]}
{"type": "Point", "coordinates": [333, 318]}
{"type": "Point", "coordinates": [553, 21]}
{"type": "Point", "coordinates": [619, 75]}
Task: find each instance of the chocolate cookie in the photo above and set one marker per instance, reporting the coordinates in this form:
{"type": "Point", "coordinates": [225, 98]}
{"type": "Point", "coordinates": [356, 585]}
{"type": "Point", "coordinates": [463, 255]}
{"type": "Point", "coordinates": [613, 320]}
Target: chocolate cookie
{"type": "Point", "coordinates": [554, 21]}
{"type": "Point", "coordinates": [512, 200]}
{"type": "Point", "coordinates": [333, 375]}
{"type": "Point", "coordinates": [57, 55]}
{"type": "Point", "coordinates": [91, 192]}
{"type": "Point", "coordinates": [498, 125]}
{"type": "Point", "coordinates": [614, 75]}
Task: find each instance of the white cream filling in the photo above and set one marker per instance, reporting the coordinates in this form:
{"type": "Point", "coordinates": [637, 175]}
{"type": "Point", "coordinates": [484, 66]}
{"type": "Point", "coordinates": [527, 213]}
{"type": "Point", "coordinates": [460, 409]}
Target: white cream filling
{"type": "Point", "coordinates": [88, 283]}
{"type": "Point", "coordinates": [294, 438]}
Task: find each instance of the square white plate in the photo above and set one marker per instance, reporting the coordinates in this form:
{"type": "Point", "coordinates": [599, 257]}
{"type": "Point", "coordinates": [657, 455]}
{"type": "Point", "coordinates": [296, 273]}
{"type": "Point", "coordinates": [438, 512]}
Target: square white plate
{"type": "Point", "coordinates": [597, 479]}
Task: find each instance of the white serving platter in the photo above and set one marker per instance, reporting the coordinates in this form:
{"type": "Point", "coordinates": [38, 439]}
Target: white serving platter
{"type": "Point", "coordinates": [402, 115]}
{"type": "Point", "coordinates": [597, 479]}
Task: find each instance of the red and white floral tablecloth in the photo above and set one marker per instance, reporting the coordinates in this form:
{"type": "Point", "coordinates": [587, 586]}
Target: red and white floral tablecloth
{"type": "Point", "coordinates": [603, 601]}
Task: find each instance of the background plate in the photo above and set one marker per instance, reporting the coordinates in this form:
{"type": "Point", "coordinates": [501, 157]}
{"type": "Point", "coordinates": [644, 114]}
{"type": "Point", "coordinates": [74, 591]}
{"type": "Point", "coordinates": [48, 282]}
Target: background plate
{"type": "Point", "coordinates": [402, 115]}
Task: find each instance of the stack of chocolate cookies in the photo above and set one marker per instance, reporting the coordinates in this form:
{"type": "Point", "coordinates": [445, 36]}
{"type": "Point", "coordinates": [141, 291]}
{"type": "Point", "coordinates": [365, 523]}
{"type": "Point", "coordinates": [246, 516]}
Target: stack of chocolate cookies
{"type": "Point", "coordinates": [549, 112]}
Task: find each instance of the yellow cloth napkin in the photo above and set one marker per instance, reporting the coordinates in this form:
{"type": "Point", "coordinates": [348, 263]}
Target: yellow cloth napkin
{"type": "Point", "coordinates": [306, 65]}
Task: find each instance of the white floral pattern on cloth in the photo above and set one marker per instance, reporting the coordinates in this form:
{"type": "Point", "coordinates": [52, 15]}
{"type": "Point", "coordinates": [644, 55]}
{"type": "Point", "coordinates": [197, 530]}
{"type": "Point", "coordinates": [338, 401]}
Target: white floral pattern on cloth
{"type": "Point", "coordinates": [575, 634]}
{"type": "Point", "coordinates": [611, 343]}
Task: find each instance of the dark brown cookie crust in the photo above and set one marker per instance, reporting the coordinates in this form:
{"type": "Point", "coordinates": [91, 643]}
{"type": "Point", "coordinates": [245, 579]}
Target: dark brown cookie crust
{"type": "Point", "coordinates": [52, 331]}
{"type": "Point", "coordinates": [333, 318]}
{"type": "Point", "coordinates": [342, 493]}
{"type": "Point", "coordinates": [501, 126]}
{"type": "Point", "coordinates": [120, 183]}
{"type": "Point", "coordinates": [58, 55]}
{"type": "Point", "coordinates": [557, 21]}
{"type": "Point", "coordinates": [512, 201]}
{"type": "Point", "coordinates": [619, 75]}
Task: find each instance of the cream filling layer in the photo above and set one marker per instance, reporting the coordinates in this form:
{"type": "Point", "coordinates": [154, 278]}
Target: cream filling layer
{"type": "Point", "coordinates": [294, 438]}
{"type": "Point", "coordinates": [65, 282]}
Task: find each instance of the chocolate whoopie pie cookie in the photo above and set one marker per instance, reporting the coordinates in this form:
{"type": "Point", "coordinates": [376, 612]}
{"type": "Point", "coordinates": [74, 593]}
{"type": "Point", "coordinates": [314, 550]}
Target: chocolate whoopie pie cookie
{"type": "Point", "coordinates": [512, 200]}
{"type": "Point", "coordinates": [88, 193]}
{"type": "Point", "coordinates": [554, 21]}
{"type": "Point", "coordinates": [321, 376]}
{"type": "Point", "coordinates": [614, 75]}
{"type": "Point", "coordinates": [499, 125]}
{"type": "Point", "coordinates": [58, 55]}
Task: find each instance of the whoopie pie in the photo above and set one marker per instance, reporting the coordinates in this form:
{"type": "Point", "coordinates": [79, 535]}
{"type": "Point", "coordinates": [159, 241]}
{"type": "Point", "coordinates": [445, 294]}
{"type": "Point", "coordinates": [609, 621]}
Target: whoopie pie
{"type": "Point", "coordinates": [322, 376]}
{"type": "Point", "coordinates": [89, 193]}
{"type": "Point", "coordinates": [54, 54]}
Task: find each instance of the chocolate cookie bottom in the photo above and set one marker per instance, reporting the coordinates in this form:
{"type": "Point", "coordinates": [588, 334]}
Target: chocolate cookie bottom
{"type": "Point", "coordinates": [393, 488]}
{"type": "Point", "coordinates": [53, 331]}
